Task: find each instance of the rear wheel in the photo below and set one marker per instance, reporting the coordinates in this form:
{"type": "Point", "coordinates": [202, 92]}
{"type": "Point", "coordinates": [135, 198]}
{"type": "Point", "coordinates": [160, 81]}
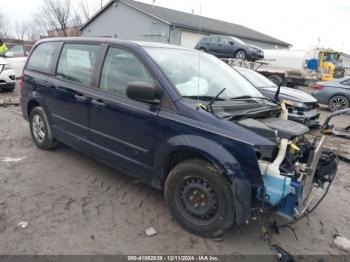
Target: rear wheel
{"type": "Point", "coordinates": [200, 198]}
{"type": "Point", "coordinates": [40, 129]}
{"type": "Point", "coordinates": [202, 49]}
{"type": "Point", "coordinates": [240, 54]}
{"type": "Point", "coordinates": [338, 103]}
{"type": "Point", "coordinates": [276, 79]}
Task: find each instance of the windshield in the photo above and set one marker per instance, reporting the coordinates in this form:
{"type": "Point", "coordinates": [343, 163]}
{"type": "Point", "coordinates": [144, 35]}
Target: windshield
{"type": "Point", "coordinates": [331, 57]}
{"type": "Point", "coordinates": [237, 40]}
{"type": "Point", "coordinates": [257, 79]}
{"type": "Point", "coordinates": [198, 75]}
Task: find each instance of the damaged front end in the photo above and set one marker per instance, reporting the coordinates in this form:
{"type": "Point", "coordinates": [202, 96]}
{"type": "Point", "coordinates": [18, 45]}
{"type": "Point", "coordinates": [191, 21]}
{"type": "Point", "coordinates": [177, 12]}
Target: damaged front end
{"type": "Point", "coordinates": [289, 180]}
{"type": "Point", "coordinates": [298, 165]}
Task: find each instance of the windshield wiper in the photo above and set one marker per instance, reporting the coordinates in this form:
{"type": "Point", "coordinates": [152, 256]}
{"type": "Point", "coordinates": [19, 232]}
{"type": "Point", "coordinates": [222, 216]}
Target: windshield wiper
{"type": "Point", "coordinates": [251, 97]}
{"type": "Point", "coordinates": [214, 99]}
{"type": "Point", "coordinates": [248, 97]}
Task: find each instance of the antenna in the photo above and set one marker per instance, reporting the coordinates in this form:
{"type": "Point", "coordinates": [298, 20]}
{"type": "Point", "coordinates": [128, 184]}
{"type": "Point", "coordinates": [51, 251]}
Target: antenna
{"type": "Point", "coordinates": [199, 52]}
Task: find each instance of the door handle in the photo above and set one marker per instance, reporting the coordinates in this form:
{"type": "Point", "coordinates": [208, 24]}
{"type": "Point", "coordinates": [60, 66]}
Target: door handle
{"type": "Point", "coordinates": [97, 102]}
{"type": "Point", "coordinates": [80, 98]}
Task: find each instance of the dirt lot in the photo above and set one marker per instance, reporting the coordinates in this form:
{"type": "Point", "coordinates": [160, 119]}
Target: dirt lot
{"type": "Point", "coordinates": [75, 205]}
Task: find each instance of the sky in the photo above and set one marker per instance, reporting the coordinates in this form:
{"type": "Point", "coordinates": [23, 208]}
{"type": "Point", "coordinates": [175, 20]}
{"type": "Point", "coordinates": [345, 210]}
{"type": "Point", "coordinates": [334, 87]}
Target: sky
{"type": "Point", "coordinates": [303, 23]}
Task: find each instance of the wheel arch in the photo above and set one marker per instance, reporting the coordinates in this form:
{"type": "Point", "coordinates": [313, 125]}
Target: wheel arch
{"type": "Point", "coordinates": [201, 148]}
{"type": "Point", "coordinates": [32, 103]}
{"type": "Point", "coordinates": [339, 94]}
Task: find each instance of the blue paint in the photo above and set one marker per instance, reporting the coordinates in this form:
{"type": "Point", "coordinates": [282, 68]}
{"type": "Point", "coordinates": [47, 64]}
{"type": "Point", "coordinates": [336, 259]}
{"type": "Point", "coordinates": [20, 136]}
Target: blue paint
{"type": "Point", "coordinates": [276, 188]}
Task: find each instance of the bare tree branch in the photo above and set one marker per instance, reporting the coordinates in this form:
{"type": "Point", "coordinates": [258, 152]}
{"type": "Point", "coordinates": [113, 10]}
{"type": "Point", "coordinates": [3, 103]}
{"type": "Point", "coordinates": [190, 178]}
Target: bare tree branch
{"type": "Point", "coordinates": [21, 29]}
{"type": "Point", "coordinates": [4, 26]}
{"type": "Point", "coordinates": [55, 15]}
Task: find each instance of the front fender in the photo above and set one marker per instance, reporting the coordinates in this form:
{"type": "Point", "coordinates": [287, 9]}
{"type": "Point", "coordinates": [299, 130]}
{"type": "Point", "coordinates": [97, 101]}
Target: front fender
{"type": "Point", "coordinates": [211, 150]}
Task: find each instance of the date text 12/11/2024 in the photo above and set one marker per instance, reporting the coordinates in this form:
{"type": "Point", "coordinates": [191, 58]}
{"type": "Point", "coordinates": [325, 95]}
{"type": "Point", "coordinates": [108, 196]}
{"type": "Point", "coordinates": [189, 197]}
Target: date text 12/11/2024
{"type": "Point", "coordinates": [173, 258]}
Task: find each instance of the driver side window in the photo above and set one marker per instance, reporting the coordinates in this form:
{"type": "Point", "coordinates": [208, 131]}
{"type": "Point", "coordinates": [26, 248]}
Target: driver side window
{"type": "Point", "coordinates": [120, 68]}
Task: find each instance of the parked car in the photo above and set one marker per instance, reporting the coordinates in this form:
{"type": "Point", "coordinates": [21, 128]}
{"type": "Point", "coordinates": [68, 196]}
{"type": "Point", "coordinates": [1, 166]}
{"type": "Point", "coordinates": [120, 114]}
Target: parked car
{"type": "Point", "coordinates": [335, 93]}
{"type": "Point", "coordinates": [301, 106]}
{"type": "Point", "coordinates": [7, 76]}
{"type": "Point", "coordinates": [178, 119]}
{"type": "Point", "coordinates": [17, 56]}
{"type": "Point", "coordinates": [229, 47]}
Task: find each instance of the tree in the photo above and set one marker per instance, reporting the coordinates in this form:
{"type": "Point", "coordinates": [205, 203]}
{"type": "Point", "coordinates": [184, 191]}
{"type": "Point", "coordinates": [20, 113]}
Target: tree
{"type": "Point", "coordinates": [22, 29]}
{"type": "Point", "coordinates": [55, 15]}
{"type": "Point", "coordinates": [4, 26]}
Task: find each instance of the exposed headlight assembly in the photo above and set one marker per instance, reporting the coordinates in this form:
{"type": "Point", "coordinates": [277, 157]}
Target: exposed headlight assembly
{"type": "Point", "coordinates": [295, 104]}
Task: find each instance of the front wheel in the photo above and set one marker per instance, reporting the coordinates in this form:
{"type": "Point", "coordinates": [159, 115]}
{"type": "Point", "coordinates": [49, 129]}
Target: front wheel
{"type": "Point", "coordinates": [240, 54]}
{"type": "Point", "coordinates": [40, 129]}
{"type": "Point", "coordinates": [338, 103]}
{"type": "Point", "coordinates": [200, 198]}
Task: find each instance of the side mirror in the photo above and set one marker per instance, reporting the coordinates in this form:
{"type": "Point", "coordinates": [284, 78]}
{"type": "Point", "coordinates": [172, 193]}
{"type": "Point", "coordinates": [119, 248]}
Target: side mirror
{"type": "Point", "coordinates": [231, 43]}
{"type": "Point", "coordinates": [142, 91]}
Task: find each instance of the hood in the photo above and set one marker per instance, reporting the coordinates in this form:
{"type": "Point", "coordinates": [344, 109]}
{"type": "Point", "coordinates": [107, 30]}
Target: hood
{"type": "Point", "coordinates": [288, 94]}
{"type": "Point", "coordinates": [3, 61]}
{"type": "Point", "coordinates": [253, 46]}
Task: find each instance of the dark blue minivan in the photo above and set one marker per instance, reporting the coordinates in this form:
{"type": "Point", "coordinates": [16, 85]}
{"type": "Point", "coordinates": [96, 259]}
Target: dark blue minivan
{"type": "Point", "coordinates": [178, 119]}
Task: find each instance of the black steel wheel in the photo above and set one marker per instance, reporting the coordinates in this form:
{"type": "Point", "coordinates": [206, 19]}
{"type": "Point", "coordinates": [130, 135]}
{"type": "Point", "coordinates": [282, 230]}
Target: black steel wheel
{"type": "Point", "coordinates": [338, 103]}
{"type": "Point", "coordinates": [200, 198]}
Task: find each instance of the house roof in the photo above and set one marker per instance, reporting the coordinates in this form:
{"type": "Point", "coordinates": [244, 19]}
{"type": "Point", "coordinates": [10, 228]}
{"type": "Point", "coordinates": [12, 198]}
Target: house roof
{"type": "Point", "coordinates": [194, 22]}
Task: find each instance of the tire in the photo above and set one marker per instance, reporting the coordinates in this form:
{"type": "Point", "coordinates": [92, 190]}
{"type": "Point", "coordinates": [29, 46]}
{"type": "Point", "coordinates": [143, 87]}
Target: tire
{"type": "Point", "coordinates": [241, 55]}
{"type": "Point", "coordinates": [338, 102]}
{"type": "Point", "coordinates": [207, 210]}
{"type": "Point", "coordinates": [276, 79]}
{"type": "Point", "coordinates": [40, 129]}
{"type": "Point", "coordinates": [203, 49]}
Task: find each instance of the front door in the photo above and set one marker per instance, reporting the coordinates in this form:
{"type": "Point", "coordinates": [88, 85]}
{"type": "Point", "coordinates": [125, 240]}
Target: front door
{"type": "Point", "coordinates": [123, 130]}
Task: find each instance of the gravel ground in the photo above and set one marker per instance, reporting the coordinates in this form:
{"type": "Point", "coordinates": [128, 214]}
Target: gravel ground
{"type": "Point", "coordinates": [76, 205]}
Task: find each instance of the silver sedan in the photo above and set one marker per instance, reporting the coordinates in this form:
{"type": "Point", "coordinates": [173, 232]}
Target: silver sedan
{"type": "Point", "coordinates": [335, 93]}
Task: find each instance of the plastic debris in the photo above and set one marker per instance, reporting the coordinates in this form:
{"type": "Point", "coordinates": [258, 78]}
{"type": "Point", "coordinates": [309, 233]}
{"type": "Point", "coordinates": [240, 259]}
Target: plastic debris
{"type": "Point", "coordinates": [150, 231]}
{"type": "Point", "coordinates": [341, 242]}
{"type": "Point", "coordinates": [12, 159]}
{"type": "Point", "coordinates": [23, 224]}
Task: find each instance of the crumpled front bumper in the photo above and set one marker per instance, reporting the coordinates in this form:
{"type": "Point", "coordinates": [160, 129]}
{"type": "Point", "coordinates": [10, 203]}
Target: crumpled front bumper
{"type": "Point", "coordinates": [307, 120]}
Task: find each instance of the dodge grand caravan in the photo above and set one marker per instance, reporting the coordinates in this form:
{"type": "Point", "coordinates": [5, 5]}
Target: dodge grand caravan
{"type": "Point", "coordinates": [182, 121]}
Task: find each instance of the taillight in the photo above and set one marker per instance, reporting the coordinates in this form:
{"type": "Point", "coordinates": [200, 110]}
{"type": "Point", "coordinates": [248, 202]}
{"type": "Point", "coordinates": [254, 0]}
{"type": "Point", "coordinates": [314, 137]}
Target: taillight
{"type": "Point", "coordinates": [319, 87]}
{"type": "Point", "coordinates": [21, 82]}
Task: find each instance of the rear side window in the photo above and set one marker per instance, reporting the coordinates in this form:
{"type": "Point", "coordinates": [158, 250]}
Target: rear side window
{"type": "Point", "coordinates": [42, 57]}
{"type": "Point", "coordinates": [119, 69]}
{"type": "Point", "coordinates": [76, 63]}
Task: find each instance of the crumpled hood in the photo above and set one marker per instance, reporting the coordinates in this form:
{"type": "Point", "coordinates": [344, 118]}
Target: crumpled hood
{"type": "Point", "coordinates": [288, 94]}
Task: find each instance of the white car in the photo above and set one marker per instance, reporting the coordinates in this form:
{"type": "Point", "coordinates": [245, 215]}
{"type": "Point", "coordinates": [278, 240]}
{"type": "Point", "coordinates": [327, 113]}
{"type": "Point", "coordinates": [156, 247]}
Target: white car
{"type": "Point", "coordinates": [7, 76]}
{"type": "Point", "coordinates": [17, 56]}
